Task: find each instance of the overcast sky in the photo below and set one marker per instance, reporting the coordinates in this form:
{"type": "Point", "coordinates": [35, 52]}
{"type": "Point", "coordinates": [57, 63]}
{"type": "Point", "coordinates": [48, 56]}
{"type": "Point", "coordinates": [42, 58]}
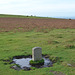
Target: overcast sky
{"type": "Point", "coordinates": [46, 8]}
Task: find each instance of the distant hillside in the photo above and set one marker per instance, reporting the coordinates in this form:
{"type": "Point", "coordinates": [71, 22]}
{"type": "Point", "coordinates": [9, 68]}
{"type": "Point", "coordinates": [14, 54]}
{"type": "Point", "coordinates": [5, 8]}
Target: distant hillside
{"type": "Point", "coordinates": [21, 16]}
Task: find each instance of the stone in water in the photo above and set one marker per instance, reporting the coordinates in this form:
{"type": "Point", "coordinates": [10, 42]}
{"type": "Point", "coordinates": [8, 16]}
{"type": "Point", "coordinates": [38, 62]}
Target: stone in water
{"type": "Point", "coordinates": [36, 53]}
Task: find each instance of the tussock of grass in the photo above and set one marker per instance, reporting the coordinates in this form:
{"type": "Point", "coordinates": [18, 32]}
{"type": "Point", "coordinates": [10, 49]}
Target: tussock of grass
{"type": "Point", "coordinates": [69, 46]}
{"type": "Point", "coordinates": [37, 62]}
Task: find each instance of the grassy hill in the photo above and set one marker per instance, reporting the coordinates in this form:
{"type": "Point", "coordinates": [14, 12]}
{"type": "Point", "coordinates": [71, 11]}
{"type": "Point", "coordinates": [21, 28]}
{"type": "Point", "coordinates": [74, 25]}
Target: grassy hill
{"type": "Point", "coordinates": [21, 16]}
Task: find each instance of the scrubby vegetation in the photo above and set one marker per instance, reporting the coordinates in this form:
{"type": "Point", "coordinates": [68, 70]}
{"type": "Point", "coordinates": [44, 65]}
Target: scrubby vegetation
{"type": "Point", "coordinates": [37, 24]}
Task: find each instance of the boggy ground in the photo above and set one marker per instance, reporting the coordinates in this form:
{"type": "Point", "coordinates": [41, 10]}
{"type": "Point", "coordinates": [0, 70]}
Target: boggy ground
{"type": "Point", "coordinates": [38, 24]}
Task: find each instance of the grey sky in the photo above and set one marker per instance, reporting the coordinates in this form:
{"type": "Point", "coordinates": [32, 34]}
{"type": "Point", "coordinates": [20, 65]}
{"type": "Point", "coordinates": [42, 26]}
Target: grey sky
{"type": "Point", "coordinates": [48, 8]}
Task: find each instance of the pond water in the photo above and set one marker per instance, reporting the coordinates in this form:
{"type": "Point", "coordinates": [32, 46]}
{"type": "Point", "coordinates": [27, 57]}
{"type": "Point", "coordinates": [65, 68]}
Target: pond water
{"type": "Point", "coordinates": [24, 62]}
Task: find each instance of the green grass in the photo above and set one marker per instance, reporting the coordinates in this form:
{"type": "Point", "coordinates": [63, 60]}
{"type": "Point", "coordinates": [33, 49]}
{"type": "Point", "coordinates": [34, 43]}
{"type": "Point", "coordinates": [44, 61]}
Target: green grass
{"type": "Point", "coordinates": [54, 43]}
{"type": "Point", "coordinates": [21, 16]}
{"type": "Point", "coordinates": [37, 62]}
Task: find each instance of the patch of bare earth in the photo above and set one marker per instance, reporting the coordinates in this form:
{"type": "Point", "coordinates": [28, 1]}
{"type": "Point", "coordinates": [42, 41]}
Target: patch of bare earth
{"type": "Point", "coordinates": [57, 73]}
{"type": "Point", "coordinates": [27, 24]}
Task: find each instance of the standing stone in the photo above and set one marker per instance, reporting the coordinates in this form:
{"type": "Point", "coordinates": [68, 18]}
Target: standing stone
{"type": "Point", "coordinates": [36, 53]}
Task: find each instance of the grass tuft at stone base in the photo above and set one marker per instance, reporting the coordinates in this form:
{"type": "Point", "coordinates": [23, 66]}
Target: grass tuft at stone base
{"type": "Point", "coordinates": [38, 62]}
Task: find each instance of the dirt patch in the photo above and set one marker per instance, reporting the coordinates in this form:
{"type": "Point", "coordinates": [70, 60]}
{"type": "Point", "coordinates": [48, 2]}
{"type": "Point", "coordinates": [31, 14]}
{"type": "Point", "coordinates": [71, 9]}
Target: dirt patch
{"type": "Point", "coordinates": [57, 73]}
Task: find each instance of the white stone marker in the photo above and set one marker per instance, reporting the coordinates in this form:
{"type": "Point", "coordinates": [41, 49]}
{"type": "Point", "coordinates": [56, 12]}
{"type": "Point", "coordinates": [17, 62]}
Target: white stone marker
{"type": "Point", "coordinates": [36, 53]}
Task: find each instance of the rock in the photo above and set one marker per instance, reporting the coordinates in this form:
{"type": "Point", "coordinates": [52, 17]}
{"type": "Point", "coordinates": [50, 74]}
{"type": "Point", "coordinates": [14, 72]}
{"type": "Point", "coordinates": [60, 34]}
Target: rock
{"type": "Point", "coordinates": [26, 68]}
{"type": "Point", "coordinates": [15, 67]}
{"type": "Point", "coordinates": [69, 65]}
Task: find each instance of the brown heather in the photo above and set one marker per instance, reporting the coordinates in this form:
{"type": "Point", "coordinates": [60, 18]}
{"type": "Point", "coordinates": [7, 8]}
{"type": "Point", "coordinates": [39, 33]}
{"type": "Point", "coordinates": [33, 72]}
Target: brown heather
{"type": "Point", "coordinates": [28, 24]}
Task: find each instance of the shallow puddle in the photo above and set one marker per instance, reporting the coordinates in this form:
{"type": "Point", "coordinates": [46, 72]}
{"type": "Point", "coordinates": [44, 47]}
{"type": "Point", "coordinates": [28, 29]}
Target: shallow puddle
{"type": "Point", "coordinates": [24, 62]}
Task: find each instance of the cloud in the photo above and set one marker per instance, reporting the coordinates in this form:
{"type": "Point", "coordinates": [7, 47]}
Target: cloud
{"type": "Point", "coordinates": [36, 7]}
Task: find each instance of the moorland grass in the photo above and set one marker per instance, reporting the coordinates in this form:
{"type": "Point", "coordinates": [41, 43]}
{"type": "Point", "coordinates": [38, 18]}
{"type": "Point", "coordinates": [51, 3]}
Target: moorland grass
{"type": "Point", "coordinates": [55, 43]}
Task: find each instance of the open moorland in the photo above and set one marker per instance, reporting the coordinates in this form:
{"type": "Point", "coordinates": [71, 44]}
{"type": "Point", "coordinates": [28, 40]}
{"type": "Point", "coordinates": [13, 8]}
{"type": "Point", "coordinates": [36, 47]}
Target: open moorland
{"type": "Point", "coordinates": [56, 37]}
{"type": "Point", "coordinates": [28, 24]}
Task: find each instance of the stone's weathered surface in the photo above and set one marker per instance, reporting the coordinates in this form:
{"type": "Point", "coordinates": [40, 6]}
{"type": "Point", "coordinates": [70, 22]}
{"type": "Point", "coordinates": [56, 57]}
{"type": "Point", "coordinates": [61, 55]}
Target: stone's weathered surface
{"type": "Point", "coordinates": [36, 53]}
